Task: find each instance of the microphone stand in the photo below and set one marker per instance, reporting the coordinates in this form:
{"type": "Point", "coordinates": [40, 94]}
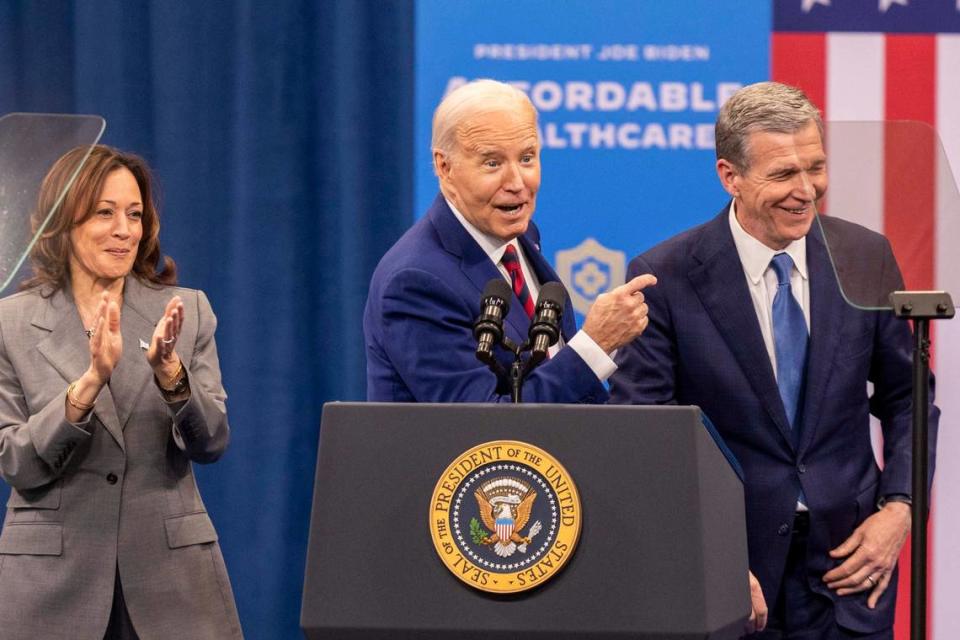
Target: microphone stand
{"type": "Point", "coordinates": [518, 369]}
{"type": "Point", "coordinates": [921, 307]}
{"type": "Point", "coordinates": [516, 379]}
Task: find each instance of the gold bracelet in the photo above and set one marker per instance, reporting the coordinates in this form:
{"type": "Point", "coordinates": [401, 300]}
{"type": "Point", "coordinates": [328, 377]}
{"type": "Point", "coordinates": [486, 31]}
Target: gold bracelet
{"type": "Point", "coordinates": [172, 382]}
{"type": "Point", "coordinates": [75, 403]}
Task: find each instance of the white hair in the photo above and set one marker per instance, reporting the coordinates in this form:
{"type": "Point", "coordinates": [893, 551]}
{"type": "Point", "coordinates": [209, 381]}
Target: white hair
{"type": "Point", "coordinates": [470, 100]}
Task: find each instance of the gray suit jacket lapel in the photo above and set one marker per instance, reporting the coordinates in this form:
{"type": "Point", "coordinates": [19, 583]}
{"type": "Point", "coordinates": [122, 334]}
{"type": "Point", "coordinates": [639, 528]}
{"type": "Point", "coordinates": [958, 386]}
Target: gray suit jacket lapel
{"type": "Point", "coordinates": [67, 351]}
{"type": "Point", "coordinates": [133, 373]}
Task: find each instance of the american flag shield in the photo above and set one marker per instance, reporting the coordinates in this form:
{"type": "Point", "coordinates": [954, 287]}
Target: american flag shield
{"type": "Point", "coordinates": [504, 529]}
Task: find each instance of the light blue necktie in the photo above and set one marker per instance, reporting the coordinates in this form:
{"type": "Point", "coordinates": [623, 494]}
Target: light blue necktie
{"type": "Point", "coordinates": [790, 339]}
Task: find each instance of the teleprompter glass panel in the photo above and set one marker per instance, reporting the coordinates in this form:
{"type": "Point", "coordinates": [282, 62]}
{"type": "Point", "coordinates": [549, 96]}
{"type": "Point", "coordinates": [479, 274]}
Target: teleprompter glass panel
{"type": "Point", "coordinates": [29, 145]}
{"type": "Point", "coordinates": [894, 179]}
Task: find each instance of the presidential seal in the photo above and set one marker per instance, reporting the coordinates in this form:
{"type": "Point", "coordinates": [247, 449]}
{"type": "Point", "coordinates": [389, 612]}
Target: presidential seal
{"type": "Point", "coordinates": [505, 516]}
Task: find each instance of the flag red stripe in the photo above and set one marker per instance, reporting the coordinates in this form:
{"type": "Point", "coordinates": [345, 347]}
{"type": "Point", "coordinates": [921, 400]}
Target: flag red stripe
{"type": "Point", "coordinates": [911, 78]}
{"type": "Point", "coordinates": [800, 59]}
{"type": "Point", "coordinates": [910, 203]}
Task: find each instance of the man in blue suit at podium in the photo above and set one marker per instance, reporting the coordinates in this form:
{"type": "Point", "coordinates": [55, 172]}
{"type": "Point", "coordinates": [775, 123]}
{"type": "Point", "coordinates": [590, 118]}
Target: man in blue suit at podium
{"type": "Point", "coordinates": [425, 293]}
{"type": "Point", "coordinates": [748, 322]}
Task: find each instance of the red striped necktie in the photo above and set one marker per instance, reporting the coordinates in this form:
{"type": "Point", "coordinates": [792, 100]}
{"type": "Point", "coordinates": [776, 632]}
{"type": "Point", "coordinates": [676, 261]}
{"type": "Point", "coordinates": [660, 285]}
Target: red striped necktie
{"type": "Point", "coordinates": [511, 262]}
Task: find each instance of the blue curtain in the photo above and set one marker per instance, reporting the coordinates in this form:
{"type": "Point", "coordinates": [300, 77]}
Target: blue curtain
{"type": "Point", "coordinates": [281, 136]}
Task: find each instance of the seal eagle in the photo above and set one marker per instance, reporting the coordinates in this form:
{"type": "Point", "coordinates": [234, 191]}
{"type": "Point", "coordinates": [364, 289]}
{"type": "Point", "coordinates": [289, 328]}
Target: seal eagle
{"type": "Point", "coordinates": [505, 508]}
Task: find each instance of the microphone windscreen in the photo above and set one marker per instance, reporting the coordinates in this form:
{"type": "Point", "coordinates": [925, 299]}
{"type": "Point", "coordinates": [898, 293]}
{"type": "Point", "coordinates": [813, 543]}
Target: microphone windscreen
{"type": "Point", "coordinates": [498, 287]}
{"type": "Point", "coordinates": [553, 292]}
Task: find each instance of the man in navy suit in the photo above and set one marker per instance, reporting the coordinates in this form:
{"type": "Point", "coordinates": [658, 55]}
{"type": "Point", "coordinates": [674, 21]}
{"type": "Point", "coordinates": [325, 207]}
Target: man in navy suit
{"type": "Point", "coordinates": [425, 293]}
{"type": "Point", "coordinates": [748, 322]}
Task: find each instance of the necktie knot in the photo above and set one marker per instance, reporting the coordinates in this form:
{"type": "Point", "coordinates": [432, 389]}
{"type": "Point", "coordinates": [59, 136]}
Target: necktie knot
{"type": "Point", "coordinates": [781, 264]}
{"type": "Point", "coordinates": [510, 260]}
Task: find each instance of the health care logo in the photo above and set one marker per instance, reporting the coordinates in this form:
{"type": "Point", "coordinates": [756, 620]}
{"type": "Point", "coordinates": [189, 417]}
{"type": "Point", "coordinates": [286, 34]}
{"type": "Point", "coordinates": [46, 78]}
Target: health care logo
{"type": "Point", "coordinates": [590, 269]}
{"type": "Point", "coordinates": [505, 516]}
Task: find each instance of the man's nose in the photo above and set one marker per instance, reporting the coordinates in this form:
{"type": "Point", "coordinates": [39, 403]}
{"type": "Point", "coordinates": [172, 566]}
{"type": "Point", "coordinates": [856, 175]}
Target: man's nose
{"type": "Point", "coordinates": [512, 178]}
{"type": "Point", "coordinates": [803, 187]}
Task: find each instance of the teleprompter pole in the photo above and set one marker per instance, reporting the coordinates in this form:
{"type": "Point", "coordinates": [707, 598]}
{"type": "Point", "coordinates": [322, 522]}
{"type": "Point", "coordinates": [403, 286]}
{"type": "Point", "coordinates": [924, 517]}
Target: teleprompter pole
{"type": "Point", "coordinates": [921, 499]}
{"type": "Point", "coordinates": [922, 307]}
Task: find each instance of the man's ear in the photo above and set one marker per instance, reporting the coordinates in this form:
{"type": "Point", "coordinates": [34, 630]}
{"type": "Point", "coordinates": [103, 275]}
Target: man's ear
{"type": "Point", "coordinates": [729, 177]}
{"type": "Point", "coordinates": [441, 165]}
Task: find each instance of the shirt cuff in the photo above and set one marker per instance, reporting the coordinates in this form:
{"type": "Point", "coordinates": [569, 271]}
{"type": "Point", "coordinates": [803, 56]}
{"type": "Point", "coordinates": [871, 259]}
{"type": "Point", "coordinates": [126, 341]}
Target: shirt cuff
{"type": "Point", "coordinates": [590, 352]}
{"type": "Point", "coordinates": [894, 497]}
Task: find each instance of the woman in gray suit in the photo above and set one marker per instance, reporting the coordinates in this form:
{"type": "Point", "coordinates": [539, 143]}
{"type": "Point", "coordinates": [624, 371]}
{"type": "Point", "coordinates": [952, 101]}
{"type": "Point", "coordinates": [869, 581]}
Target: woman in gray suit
{"type": "Point", "coordinates": [109, 389]}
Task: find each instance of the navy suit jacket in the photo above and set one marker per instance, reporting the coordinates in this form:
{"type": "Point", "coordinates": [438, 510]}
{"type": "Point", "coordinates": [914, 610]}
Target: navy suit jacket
{"type": "Point", "coordinates": [418, 323]}
{"type": "Point", "coordinates": [704, 347]}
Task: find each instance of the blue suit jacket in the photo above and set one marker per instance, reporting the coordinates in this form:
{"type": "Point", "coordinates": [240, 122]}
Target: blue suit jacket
{"type": "Point", "coordinates": [418, 323]}
{"type": "Point", "coordinates": [704, 347]}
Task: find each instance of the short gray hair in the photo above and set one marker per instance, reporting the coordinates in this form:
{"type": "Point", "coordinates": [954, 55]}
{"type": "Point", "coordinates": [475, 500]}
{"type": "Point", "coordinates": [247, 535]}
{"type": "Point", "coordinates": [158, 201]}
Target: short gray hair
{"type": "Point", "coordinates": [764, 106]}
{"type": "Point", "coordinates": [470, 100]}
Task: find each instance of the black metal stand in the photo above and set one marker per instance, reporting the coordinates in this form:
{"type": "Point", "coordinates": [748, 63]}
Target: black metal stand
{"type": "Point", "coordinates": [516, 380]}
{"type": "Point", "coordinates": [921, 501]}
{"type": "Point", "coordinates": [921, 307]}
{"type": "Point", "coordinates": [519, 369]}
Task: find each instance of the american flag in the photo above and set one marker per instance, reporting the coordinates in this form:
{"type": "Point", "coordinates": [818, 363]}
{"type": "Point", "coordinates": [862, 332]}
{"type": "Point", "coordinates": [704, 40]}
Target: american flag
{"type": "Point", "coordinates": [876, 60]}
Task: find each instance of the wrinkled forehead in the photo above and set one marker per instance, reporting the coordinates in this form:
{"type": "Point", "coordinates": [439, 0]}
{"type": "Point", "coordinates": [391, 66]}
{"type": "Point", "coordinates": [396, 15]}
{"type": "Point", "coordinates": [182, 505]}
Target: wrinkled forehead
{"type": "Point", "coordinates": [504, 128]}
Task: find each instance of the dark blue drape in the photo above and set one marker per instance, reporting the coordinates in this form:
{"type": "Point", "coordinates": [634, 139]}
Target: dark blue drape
{"type": "Point", "coordinates": [281, 136]}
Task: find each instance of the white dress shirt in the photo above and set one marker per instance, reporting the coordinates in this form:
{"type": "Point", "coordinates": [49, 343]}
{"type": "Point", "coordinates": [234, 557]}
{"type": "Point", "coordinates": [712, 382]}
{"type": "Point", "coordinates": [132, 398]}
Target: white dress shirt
{"type": "Point", "coordinates": [600, 363]}
{"type": "Point", "coordinates": [762, 280]}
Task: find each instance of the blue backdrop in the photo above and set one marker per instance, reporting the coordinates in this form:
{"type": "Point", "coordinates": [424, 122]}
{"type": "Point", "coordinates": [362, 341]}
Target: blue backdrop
{"type": "Point", "coordinates": [281, 136]}
{"type": "Point", "coordinates": [628, 93]}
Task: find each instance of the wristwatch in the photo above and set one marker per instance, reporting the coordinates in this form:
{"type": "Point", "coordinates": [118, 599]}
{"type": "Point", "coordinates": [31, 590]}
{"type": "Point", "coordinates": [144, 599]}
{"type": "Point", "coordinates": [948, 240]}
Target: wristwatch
{"type": "Point", "coordinates": [179, 387]}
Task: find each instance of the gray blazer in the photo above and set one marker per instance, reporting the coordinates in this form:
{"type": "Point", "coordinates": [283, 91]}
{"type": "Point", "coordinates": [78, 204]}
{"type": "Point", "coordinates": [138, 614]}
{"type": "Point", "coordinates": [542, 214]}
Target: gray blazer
{"type": "Point", "coordinates": [116, 493]}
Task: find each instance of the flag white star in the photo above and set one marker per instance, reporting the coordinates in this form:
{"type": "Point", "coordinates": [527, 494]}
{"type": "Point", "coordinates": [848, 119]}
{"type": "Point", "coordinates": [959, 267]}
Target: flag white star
{"type": "Point", "coordinates": [886, 4]}
{"type": "Point", "coordinates": [807, 5]}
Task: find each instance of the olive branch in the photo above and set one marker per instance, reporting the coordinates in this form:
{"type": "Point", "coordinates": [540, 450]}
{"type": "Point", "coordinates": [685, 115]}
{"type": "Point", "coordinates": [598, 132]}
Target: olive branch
{"type": "Point", "coordinates": [478, 534]}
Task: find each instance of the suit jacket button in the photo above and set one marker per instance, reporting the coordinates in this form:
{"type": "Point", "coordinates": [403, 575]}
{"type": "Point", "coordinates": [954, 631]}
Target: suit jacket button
{"type": "Point", "coordinates": [112, 478]}
{"type": "Point", "coordinates": [802, 468]}
{"type": "Point", "coordinates": [783, 530]}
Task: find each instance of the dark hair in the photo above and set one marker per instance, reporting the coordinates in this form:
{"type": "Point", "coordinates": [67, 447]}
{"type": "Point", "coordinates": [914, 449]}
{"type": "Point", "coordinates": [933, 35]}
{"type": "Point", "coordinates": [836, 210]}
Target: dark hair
{"type": "Point", "coordinates": [50, 256]}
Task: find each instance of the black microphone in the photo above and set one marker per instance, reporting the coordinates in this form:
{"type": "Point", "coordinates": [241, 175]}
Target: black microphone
{"type": "Point", "coordinates": [488, 328]}
{"type": "Point", "coordinates": [545, 327]}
